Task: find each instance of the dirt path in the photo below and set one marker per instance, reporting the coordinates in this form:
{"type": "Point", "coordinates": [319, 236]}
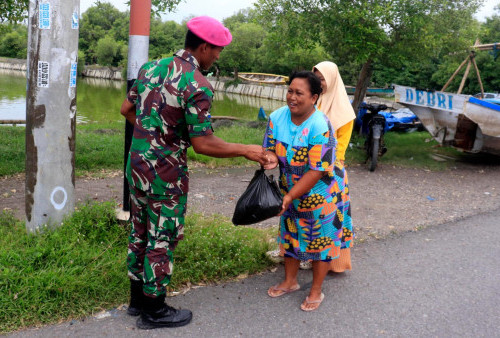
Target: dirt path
{"type": "Point", "coordinates": [389, 200]}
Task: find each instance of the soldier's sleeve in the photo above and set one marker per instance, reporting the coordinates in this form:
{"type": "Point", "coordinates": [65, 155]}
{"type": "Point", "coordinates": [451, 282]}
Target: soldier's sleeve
{"type": "Point", "coordinates": [133, 93]}
{"type": "Point", "coordinates": [197, 112]}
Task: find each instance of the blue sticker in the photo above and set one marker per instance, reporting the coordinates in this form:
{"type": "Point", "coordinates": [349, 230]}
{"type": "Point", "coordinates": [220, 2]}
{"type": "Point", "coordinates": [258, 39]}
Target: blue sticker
{"type": "Point", "coordinates": [74, 21]}
{"type": "Point", "coordinates": [72, 75]}
{"type": "Point", "coordinates": [44, 15]}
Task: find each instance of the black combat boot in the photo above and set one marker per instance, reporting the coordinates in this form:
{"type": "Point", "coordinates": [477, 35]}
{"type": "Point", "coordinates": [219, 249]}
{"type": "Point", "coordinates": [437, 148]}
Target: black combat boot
{"type": "Point", "coordinates": [156, 314]}
{"type": "Point", "coordinates": [136, 298]}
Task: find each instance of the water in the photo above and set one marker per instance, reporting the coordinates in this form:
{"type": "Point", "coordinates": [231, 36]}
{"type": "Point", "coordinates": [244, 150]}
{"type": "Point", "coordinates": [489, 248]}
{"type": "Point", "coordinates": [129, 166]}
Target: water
{"type": "Point", "coordinates": [99, 101]}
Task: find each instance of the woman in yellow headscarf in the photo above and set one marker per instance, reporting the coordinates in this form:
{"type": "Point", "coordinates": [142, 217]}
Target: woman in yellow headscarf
{"type": "Point", "coordinates": [335, 104]}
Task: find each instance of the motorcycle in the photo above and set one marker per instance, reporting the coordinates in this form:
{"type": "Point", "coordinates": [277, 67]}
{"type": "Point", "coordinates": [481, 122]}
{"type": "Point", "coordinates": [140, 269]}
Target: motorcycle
{"type": "Point", "coordinates": [373, 129]}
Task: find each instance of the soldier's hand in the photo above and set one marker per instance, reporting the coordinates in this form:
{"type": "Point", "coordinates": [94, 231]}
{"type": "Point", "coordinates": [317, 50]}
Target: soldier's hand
{"type": "Point", "coordinates": [273, 160]}
{"type": "Point", "coordinates": [258, 154]}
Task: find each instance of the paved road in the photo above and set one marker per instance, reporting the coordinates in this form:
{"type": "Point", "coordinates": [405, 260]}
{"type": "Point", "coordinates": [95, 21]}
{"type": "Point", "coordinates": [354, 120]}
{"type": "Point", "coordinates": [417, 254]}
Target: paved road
{"type": "Point", "coordinates": [443, 281]}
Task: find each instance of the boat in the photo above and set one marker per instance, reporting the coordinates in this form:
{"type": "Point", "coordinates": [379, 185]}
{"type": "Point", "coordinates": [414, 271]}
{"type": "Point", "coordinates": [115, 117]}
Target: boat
{"type": "Point", "coordinates": [263, 78]}
{"type": "Point", "coordinates": [461, 121]}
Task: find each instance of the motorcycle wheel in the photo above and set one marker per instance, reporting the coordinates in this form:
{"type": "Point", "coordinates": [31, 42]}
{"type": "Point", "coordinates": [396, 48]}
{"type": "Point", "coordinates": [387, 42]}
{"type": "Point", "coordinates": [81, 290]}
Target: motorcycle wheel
{"type": "Point", "coordinates": [374, 153]}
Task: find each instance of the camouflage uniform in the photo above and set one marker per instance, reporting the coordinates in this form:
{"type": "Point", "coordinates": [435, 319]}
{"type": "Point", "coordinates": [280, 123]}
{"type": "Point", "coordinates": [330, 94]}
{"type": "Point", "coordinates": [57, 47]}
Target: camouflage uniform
{"type": "Point", "coordinates": [173, 101]}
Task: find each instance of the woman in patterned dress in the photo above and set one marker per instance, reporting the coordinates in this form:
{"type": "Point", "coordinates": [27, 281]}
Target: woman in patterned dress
{"type": "Point", "coordinates": [335, 103]}
{"type": "Point", "coordinates": [301, 140]}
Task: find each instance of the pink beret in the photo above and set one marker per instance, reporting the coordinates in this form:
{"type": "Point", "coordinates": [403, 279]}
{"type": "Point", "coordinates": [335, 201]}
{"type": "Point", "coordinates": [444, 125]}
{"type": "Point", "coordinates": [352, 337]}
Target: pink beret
{"type": "Point", "coordinates": [210, 30]}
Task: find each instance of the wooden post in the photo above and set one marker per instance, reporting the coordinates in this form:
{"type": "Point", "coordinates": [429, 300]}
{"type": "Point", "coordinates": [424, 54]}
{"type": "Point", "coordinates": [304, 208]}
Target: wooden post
{"type": "Point", "coordinates": [462, 83]}
{"type": "Point", "coordinates": [473, 57]}
{"type": "Point", "coordinates": [454, 74]}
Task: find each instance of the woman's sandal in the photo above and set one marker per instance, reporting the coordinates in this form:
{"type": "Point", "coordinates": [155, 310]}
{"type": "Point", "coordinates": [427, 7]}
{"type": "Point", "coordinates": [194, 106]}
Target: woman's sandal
{"type": "Point", "coordinates": [275, 291]}
{"type": "Point", "coordinates": [316, 302]}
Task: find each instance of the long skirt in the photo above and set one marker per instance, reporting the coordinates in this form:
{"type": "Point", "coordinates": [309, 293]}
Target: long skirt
{"type": "Point", "coordinates": [343, 262]}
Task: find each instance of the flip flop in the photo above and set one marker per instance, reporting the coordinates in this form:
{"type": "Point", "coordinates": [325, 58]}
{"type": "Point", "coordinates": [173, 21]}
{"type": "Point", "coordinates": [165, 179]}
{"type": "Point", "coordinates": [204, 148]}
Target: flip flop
{"type": "Point", "coordinates": [307, 301]}
{"type": "Point", "coordinates": [281, 291]}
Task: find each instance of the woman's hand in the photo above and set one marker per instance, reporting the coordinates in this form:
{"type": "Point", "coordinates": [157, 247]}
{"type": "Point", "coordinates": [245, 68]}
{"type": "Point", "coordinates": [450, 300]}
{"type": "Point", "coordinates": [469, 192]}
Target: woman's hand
{"type": "Point", "coordinates": [273, 160]}
{"type": "Point", "coordinates": [287, 199]}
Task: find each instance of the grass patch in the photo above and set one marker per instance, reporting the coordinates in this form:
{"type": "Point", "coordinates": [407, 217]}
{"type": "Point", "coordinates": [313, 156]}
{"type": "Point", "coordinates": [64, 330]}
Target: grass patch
{"type": "Point", "coordinates": [412, 150]}
{"type": "Point", "coordinates": [79, 268]}
{"type": "Point", "coordinates": [12, 148]}
{"type": "Point", "coordinates": [100, 147]}
{"type": "Point", "coordinates": [246, 133]}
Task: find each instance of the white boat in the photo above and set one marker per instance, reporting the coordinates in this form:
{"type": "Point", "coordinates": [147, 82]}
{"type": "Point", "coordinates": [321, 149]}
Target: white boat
{"type": "Point", "coordinates": [460, 121]}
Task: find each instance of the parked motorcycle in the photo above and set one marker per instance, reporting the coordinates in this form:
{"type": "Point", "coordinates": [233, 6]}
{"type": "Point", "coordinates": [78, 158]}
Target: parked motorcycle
{"type": "Point", "coordinates": [373, 129]}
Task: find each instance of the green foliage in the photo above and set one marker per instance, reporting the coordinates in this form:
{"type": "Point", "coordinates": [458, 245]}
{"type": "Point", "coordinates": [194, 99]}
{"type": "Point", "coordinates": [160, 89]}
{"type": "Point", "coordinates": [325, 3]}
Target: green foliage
{"type": "Point", "coordinates": [396, 36]}
{"type": "Point", "coordinates": [81, 62]}
{"type": "Point", "coordinates": [165, 38]}
{"type": "Point", "coordinates": [102, 21]}
{"type": "Point", "coordinates": [13, 10]}
{"type": "Point", "coordinates": [79, 268]}
{"type": "Point", "coordinates": [107, 49]}
{"type": "Point", "coordinates": [14, 42]}
{"type": "Point", "coordinates": [243, 52]}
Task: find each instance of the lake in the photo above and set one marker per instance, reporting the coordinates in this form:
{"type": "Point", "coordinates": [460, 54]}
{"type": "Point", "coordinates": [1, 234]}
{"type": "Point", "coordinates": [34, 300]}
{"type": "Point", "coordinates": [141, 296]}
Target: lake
{"type": "Point", "coordinates": [99, 101]}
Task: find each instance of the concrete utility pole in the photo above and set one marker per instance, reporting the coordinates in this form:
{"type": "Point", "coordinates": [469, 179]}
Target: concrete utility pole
{"type": "Point", "coordinates": [51, 110]}
{"type": "Point", "coordinates": [138, 50]}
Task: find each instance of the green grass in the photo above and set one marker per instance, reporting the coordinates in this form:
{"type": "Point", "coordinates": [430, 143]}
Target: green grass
{"type": "Point", "coordinates": [12, 150]}
{"type": "Point", "coordinates": [411, 150]}
{"type": "Point", "coordinates": [100, 147]}
{"type": "Point", "coordinates": [79, 268]}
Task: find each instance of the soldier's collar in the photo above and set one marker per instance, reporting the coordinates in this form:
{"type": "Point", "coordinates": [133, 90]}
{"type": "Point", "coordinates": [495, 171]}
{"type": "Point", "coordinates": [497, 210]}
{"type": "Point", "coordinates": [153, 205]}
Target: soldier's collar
{"type": "Point", "coordinates": [184, 54]}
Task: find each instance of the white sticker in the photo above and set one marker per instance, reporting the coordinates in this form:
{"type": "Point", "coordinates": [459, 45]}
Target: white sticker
{"type": "Point", "coordinates": [72, 75]}
{"type": "Point", "coordinates": [44, 15]}
{"type": "Point", "coordinates": [74, 20]}
{"type": "Point", "coordinates": [43, 74]}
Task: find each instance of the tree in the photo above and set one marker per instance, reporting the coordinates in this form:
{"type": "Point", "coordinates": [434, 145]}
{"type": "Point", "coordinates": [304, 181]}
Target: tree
{"type": "Point", "coordinates": [13, 11]}
{"type": "Point", "coordinates": [243, 51]}
{"type": "Point", "coordinates": [372, 32]}
{"type": "Point", "coordinates": [14, 42]}
{"type": "Point", "coordinates": [99, 21]}
{"type": "Point", "coordinates": [106, 51]}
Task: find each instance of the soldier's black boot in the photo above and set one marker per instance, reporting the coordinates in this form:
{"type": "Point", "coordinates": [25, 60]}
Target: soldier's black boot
{"type": "Point", "coordinates": [156, 314]}
{"type": "Point", "coordinates": [136, 298]}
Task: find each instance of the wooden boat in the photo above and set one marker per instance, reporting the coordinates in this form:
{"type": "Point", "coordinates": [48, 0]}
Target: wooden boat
{"type": "Point", "coordinates": [461, 121]}
{"type": "Point", "coordinates": [263, 78]}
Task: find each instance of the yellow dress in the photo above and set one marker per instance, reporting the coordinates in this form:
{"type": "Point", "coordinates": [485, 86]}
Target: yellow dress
{"type": "Point", "coordinates": [343, 135]}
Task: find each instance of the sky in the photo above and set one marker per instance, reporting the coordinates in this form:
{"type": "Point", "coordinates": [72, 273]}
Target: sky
{"type": "Point", "coordinates": [218, 9]}
{"type": "Point", "coordinates": [221, 9]}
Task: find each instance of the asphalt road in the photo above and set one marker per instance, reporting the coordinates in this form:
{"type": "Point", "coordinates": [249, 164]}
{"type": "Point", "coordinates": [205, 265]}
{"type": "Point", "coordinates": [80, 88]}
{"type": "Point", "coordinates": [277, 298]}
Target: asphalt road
{"type": "Point", "coordinates": [442, 281]}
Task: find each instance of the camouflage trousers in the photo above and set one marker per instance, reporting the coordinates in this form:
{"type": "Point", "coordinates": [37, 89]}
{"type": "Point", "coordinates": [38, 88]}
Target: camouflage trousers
{"type": "Point", "coordinates": [157, 225]}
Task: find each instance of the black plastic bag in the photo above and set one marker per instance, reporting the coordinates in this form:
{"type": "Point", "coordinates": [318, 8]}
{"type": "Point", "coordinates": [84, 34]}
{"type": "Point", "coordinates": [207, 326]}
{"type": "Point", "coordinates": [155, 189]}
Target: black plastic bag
{"type": "Point", "coordinates": [261, 200]}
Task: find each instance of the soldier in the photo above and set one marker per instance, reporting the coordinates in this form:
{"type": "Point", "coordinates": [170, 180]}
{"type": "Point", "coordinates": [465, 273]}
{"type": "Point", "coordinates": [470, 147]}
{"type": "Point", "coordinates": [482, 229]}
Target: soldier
{"type": "Point", "coordinates": [169, 106]}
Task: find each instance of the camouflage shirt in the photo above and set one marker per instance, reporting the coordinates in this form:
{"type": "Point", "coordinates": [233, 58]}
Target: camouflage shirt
{"type": "Point", "coordinates": [173, 101]}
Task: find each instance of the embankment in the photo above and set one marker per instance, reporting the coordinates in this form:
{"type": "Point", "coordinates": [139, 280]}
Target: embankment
{"type": "Point", "coordinates": [94, 71]}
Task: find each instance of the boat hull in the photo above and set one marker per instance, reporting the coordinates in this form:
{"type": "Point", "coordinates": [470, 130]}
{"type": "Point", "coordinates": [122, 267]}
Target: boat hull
{"type": "Point", "coordinates": [456, 120]}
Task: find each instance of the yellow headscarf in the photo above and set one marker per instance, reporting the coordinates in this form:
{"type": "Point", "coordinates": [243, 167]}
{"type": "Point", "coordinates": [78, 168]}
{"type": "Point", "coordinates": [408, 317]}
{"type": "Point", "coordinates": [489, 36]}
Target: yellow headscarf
{"type": "Point", "coordinates": [334, 102]}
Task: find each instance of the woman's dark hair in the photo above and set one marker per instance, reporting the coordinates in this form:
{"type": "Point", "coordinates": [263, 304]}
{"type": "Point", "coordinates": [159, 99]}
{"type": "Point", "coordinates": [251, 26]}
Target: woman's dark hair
{"type": "Point", "coordinates": [312, 79]}
{"type": "Point", "coordinates": [193, 41]}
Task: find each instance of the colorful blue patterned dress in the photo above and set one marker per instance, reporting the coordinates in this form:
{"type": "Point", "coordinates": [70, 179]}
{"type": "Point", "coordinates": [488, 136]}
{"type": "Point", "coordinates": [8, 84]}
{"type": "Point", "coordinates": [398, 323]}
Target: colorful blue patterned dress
{"type": "Point", "coordinates": [313, 226]}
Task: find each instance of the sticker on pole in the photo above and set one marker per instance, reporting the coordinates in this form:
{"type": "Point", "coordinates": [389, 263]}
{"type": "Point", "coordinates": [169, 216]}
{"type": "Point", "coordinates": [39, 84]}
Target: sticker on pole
{"type": "Point", "coordinates": [44, 15]}
{"type": "Point", "coordinates": [74, 20]}
{"type": "Point", "coordinates": [43, 74]}
{"type": "Point", "coordinates": [72, 75]}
